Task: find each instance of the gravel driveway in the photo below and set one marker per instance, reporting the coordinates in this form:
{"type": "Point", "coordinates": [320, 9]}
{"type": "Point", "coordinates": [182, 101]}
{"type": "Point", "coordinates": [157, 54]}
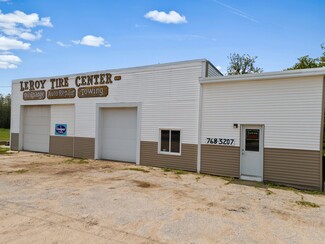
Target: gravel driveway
{"type": "Point", "coordinates": [52, 199]}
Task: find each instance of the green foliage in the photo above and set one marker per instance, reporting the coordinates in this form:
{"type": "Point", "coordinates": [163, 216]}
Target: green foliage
{"type": "Point", "coordinates": [242, 64]}
{"type": "Point", "coordinates": [306, 62]}
{"type": "Point", "coordinates": [4, 134]}
{"type": "Point", "coordinates": [5, 107]}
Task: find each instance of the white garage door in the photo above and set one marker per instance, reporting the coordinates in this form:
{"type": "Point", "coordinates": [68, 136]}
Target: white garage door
{"type": "Point", "coordinates": [119, 134]}
{"type": "Point", "coordinates": [36, 130]}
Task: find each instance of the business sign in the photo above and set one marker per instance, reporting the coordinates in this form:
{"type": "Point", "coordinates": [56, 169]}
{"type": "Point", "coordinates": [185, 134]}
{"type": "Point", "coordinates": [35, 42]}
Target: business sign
{"type": "Point", "coordinates": [61, 93]}
{"type": "Point", "coordinates": [34, 95]}
{"type": "Point", "coordinates": [61, 129]}
{"type": "Point", "coordinates": [91, 85]}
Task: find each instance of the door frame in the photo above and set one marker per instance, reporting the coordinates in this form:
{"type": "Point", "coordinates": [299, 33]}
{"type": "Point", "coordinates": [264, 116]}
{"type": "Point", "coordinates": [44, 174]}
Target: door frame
{"type": "Point", "coordinates": [100, 106]}
{"type": "Point", "coordinates": [262, 133]}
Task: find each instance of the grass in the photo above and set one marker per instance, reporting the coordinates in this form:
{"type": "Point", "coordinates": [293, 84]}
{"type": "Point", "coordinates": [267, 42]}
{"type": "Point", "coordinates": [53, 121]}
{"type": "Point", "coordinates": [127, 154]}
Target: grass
{"type": "Point", "coordinates": [21, 171]}
{"type": "Point", "coordinates": [138, 169]}
{"type": "Point", "coordinates": [175, 171]}
{"type": "Point", "coordinates": [4, 150]}
{"type": "Point", "coordinates": [304, 203]}
{"type": "Point", "coordinates": [76, 161]}
{"type": "Point", "coordinates": [4, 134]}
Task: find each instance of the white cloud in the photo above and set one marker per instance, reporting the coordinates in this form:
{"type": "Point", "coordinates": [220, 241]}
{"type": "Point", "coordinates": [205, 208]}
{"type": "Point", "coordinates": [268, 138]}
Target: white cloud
{"type": "Point", "coordinates": [21, 25]}
{"type": "Point", "coordinates": [9, 61]}
{"type": "Point", "coordinates": [93, 41]}
{"type": "Point", "coordinates": [171, 18]}
{"type": "Point", "coordinates": [10, 44]}
{"type": "Point", "coordinates": [62, 44]}
{"type": "Point", "coordinates": [37, 50]}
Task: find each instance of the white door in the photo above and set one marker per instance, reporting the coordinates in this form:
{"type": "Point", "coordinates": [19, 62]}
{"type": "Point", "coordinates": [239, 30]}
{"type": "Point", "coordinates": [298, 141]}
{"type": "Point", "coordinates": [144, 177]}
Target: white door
{"type": "Point", "coordinates": [118, 134]}
{"type": "Point", "coordinates": [36, 128]}
{"type": "Point", "coordinates": [252, 147]}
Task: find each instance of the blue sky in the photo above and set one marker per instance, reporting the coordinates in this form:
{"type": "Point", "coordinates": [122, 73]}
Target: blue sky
{"type": "Point", "coordinates": [56, 37]}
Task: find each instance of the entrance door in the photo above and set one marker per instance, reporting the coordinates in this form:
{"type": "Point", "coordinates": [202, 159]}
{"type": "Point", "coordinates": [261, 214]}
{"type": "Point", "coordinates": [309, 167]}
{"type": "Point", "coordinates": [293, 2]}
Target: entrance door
{"type": "Point", "coordinates": [252, 147]}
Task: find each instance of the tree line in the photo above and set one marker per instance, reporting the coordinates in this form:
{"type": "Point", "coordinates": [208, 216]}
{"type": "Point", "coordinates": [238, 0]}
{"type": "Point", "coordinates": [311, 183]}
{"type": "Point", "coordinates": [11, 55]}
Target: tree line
{"type": "Point", "coordinates": [5, 109]}
{"type": "Point", "coordinates": [245, 64]}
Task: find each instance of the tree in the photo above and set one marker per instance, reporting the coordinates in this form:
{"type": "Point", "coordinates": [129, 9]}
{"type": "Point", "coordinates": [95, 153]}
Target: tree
{"type": "Point", "coordinates": [5, 107]}
{"type": "Point", "coordinates": [242, 64]}
{"type": "Point", "coordinates": [306, 62]}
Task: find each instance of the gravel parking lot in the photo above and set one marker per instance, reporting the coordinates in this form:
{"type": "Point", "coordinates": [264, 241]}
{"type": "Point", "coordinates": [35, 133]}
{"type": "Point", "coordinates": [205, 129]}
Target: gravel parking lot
{"type": "Point", "coordinates": [52, 199]}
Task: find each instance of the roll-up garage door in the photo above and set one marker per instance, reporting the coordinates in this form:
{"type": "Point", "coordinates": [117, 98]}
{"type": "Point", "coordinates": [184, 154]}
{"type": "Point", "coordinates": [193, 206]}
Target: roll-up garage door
{"type": "Point", "coordinates": [37, 120]}
{"type": "Point", "coordinates": [118, 134]}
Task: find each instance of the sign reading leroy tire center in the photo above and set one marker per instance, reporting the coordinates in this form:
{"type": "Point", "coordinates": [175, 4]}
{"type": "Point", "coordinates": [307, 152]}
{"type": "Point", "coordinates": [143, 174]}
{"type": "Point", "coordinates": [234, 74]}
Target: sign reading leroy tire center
{"type": "Point", "coordinates": [87, 86]}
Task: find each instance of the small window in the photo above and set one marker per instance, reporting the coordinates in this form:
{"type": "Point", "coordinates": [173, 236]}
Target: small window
{"type": "Point", "coordinates": [170, 141]}
{"type": "Point", "coordinates": [252, 140]}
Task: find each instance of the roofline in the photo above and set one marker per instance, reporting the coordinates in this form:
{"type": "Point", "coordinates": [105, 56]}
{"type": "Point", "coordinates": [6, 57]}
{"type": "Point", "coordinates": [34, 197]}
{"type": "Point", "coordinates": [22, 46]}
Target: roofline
{"type": "Point", "coordinates": [129, 70]}
{"type": "Point", "coordinates": [265, 76]}
{"type": "Point", "coordinates": [221, 74]}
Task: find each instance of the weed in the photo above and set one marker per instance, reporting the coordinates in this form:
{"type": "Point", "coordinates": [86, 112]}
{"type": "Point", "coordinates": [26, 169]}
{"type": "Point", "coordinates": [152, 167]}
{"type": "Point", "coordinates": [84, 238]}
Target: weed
{"type": "Point", "coordinates": [76, 161]}
{"type": "Point", "coordinates": [21, 171]}
{"type": "Point", "coordinates": [167, 170]}
{"type": "Point", "coordinates": [180, 172]}
{"type": "Point", "coordinates": [307, 204]}
{"type": "Point", "coordinates": [304, 203]}
{"type": "Point", "coordinates": [269, 192]}
{"type": "Point", "coordinates": [176, 171]}
{"type": "Point", "coordinates": [197, 178]}
{"type": "Point", "coordinates": [138, 169]}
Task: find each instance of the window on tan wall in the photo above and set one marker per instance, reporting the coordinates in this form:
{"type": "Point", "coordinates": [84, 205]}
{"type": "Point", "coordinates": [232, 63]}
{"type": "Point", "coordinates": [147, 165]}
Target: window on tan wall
{"type": "Point", "coordinates": [170, 141]}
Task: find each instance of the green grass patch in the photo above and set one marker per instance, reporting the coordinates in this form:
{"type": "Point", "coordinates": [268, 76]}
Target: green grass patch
{"type": "Point", "coordinates": [4, 150]}
{"type": "Point", "coordinates": [4, 134]}
{"type": "Point", "coordinates": [138, 169]}
{"type": "Point", "coordinates": [76, 161]}
{"type": "Point", "coordinates": [307, 204]}
{"type": "Point", "coordinates": [176, 171]}
{"type": "Point", "coordinates": [304, 203]}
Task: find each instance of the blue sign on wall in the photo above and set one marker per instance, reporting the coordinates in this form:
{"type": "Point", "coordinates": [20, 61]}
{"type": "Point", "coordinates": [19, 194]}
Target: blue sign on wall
{"type": "Point", "coordinates": [61, 129]}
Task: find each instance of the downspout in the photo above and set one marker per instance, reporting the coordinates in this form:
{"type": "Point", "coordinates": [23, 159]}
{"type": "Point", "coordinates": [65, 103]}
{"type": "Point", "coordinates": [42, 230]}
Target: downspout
{"type": "Point", "coordinates": [322, 139]}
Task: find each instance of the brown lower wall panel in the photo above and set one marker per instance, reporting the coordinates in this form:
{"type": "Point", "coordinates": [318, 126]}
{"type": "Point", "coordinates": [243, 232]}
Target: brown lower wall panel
{"type": "Point", "coordinates": [14, 143]}
{"type": "Point", "coordinates": [61, 145]}
{"type": "Point", "coordinates": [299, 168]}
{"type": "Point", "coordinates": [187, 161]}
{"type": "Point", "coordinates": [220, 160]}
{"type": "Point", "coordinates": [84, 147]}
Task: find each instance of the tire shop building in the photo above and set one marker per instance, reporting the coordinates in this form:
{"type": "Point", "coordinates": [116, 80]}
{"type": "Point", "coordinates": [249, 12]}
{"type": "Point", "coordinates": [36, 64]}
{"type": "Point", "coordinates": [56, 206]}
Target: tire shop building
{"type": "Point", "coordinates": [183, 115]}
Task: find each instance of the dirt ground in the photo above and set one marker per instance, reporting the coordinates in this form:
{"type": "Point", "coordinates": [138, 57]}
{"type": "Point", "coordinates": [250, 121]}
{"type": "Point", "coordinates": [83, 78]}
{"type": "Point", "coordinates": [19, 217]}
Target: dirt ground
{"type": "Point", "coordinates": [52, 199]}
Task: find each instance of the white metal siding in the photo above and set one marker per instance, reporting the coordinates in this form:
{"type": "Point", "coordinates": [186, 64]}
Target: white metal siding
{"type": "Point", "coordinates": [36, 128]}
{"type": "Point", "coordinates": [63, 114]}
{"type": "Point", "coordinates": [290, 109]}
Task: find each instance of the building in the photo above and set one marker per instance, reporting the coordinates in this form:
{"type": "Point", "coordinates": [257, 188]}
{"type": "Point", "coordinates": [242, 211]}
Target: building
{"type": "Point", "coordinates": [184, 115]}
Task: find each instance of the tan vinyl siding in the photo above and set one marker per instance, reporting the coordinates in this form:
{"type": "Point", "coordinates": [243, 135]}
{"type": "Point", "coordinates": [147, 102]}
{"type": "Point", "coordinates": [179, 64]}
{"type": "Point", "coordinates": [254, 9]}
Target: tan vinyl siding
{"type": "Point", "coordinates": [84, 147]}
{"type": "Point", "coordinates": [150, 157]}
{"type": "Point", "coordinates": [299, 168]}
{"type": "Point", "coordinates": [220, 160]}
{"type": "Point", "coordinates": [60, 145]}
{"type": "Point", "coordinates": [14, 144]}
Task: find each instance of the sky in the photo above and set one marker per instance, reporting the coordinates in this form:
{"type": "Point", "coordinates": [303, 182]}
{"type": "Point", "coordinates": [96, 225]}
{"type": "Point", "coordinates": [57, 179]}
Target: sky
{"type": "Point", "coordinates": [41, 38]}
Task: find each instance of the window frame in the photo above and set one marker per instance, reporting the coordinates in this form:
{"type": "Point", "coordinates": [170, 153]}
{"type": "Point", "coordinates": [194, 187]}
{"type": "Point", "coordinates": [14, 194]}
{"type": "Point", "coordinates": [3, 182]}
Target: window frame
{"type": "Point", "coordinates": [170, 138]}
